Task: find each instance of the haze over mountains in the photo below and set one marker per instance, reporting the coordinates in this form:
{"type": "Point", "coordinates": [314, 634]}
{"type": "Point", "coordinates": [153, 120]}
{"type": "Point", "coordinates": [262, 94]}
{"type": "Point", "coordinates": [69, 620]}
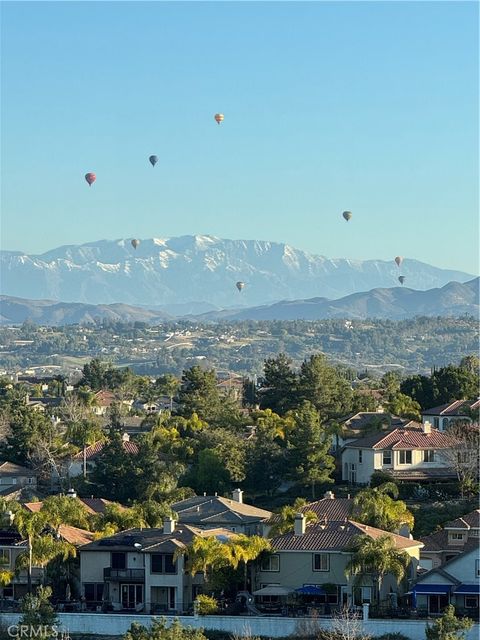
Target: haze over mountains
{"type": "Point", "coordinates": [203, 269]}
{"type": "Point", "coordinates": [454, 299]}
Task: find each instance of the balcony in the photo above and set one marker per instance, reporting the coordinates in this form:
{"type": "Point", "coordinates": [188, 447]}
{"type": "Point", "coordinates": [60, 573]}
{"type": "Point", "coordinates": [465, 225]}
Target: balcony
{"type": "Point", "coordinates": [124, 575]}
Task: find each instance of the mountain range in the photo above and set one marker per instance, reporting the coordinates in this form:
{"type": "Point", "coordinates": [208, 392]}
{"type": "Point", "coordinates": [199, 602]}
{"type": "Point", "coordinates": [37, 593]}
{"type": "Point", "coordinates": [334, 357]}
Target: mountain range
{"type": "Point", "coordinates": [454, 299]}
{"type": "Point", "coordinates": [188, 271]}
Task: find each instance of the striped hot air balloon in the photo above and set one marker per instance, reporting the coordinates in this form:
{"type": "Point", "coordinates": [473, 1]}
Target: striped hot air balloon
{"type": "Point", "coordinates": [219, 118]}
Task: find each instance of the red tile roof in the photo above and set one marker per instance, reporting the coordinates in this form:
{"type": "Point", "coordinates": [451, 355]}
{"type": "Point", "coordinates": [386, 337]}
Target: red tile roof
{"type": "Point", "coordinates": [452, 408]}
{"type": "Point", "coordinates": [332, 509]}
{"type": "Point", "coordinates": [411, 438]}
{"type": "Point", "coordinates": [93, 450]}
{"type": "Point", "coordinates": [468, 521]}
{"type": "Point", "coordinates": [335, 536]}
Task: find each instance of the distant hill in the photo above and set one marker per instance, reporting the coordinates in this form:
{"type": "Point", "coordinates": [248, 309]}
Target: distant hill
{"type": "Point", "coordinates": [454, 299]}
{"type": "Point", "coordinates": [49, 312]}
{"type": "Point", "coordinates": [193, 269]}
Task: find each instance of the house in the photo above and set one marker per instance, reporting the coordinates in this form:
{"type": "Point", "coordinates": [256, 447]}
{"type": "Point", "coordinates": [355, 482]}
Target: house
{"type": "Point", "coordinates": [456, 537]}
{"type": "Point", "coordinates": [208, 512]}
{"type": "Point", "coordinates": [93, 506]}
{"type": "Point", "coordinates": [413, 454]}
{"type": "Point", "coordinates": [317, 555]}
{"type": "Point", "coordinates": [446, 414]}
{"type": "Point", "coordinates": [456, 582]}
{"type": "Point", "coordinates": [135, 570]}
{"type": "Point", "coordinates": [330, 507]}
{"type": "Point", "coordinates": [363, 423]}
{"type": "Point", "coordinates": [12, 545]}
{"type": "Point", "coordinates": [84, 461]}
{"type": "Point", "coordinates": [14, 476]}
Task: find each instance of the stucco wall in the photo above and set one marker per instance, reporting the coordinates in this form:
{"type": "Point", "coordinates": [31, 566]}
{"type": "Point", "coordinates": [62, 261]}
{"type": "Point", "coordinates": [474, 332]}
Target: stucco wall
{"type": "Point", "coordinates": [117, 625]}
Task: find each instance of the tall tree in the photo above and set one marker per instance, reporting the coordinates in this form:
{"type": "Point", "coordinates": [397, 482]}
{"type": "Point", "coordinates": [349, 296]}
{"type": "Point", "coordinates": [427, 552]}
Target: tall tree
{"type": "Point", "coordinates": [308, 458]}
{"type": "Point", "coordinates": [279, 385]}
{"type": "Point", "coordinates": [199, 393]}
{"type": "Point", "coordinates": [323, 386]}
{"type": "Point", "coordinates": [377, 557]}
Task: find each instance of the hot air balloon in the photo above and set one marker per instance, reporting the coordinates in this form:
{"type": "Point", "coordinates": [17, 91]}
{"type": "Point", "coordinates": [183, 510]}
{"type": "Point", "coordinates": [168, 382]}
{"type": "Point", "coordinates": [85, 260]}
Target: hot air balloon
{"type": "Point", "coordinates": [153, 160]}
{"type": "Point", "coordinates": [219, 117]}
{"type": "Point", "coordinates": [347, 215]}
{"type": "Point", "coordinates": [401, 279]}
{"type": "Point", "coordinates": [240, 285]}
{"type": "Point", "coordinates": [399, 260]}
{"type": "Point", "coordinates": [135, 243]}
{"type": "Point", "coordinates": [90, 178]}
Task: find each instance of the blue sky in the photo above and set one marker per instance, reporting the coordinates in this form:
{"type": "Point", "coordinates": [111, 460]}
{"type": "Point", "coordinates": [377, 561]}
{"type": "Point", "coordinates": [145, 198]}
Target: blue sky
{"type": "Point", "coordinates": [366, 106]}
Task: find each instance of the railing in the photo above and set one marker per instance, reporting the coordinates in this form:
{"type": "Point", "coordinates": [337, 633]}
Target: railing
{"type": "Point", "coordinates": [131, 575]}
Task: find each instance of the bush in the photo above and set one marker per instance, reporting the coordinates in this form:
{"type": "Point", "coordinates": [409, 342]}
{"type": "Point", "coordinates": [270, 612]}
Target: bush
{"type": "Point", "coordinates": [206, 605]}
{"type": "Point", "coordinates": [448, 627]}
{"type": "Point", "coordinates": [160, 631]}
{"type": "Point", "coordinates": [391, 636]}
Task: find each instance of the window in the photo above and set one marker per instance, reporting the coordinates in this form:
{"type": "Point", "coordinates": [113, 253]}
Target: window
{"type": "Point", "coordinates": [361, 595]}
{"type": "Point", "coordinates": [436, 423]}
{"type": "Point", "coordinates": [93, 591]}
{"type": "Point", "coordinates": [405, 457]}
{"type": "Point", "coordinates": [387, 457]}
{"type": "Point", "coordinates": [360, 455]}
{"type": "Point", "coordinates": [119, 560]}
{"type": "Point", "coordinates": [163, 563]}
{"type": "Point", "coordinates": [271, 563]}
{"type": "Point", "coordinates": [429, 455]}
{"type": "Point", "coordinates": [321, 562]}
{"type": "Point", "coordinates": [31, 481]}
{"type": "Point", "coordinates": [477, 568]}
{"type": "Point", "coordinates": [456, 536]}
{"type": "Point", "coordinates": [4, 558]}
{"type": "Point", "coordinates": [471, 602]}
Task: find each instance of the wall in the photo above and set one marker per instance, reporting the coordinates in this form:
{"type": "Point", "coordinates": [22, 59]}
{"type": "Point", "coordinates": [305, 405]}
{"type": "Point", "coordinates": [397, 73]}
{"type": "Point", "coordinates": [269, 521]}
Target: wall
{"type": "Point", "coordinates": [118, 624]}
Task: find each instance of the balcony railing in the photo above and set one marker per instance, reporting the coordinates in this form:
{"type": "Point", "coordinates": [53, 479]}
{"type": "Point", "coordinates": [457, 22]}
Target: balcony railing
{"type": "Point", "coordinates": [119, 575]}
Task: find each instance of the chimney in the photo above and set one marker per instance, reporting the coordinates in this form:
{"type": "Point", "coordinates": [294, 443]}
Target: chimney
{"type": "Point", "coordinates": [299, 524]}
{"type": "Point", "coordinates": [71, 493]}
{"type": "Point", "coordinates": [126, 437]}
{"type": "Point", "coordinates": [427, 427]}
{"type": "Point", "coordinates": [237, 495]}
{"type": "Point", "coordinates": [168, 525]}
{"type": "Point", "coordinates": [329, 495]}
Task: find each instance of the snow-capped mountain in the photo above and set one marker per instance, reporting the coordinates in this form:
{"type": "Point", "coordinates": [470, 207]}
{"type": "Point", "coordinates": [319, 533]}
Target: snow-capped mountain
{"type": "Point", "coordinates": [200, 268]}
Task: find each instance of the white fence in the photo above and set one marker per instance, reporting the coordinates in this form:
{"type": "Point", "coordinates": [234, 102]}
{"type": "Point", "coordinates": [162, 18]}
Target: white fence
{"type": "Point", "coordinates": [105, 624]}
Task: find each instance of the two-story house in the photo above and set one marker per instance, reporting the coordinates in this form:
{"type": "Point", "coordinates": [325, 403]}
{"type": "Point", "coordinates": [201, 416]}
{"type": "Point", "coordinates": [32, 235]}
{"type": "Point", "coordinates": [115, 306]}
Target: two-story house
{"type": "Point", "coordinates": [137, 570]}
{"type": "Point", "coordinates": [317, 556]}
{"type": "Point", "coordinates": [446, 414]}
{"type": "Point", "coordinates": [84, 461]}
{"type": "Point", "coordinates": [413, 454]}
{"type": "Point", "coordinates": [208, 512]}
{"type": "Point", "coordinates": [14, 477]}
{"type": "Point", "coordinates": [456, 582]}
{"type": "Point", "coordinates": [362, 423]}
{"type": "Point", "coordinates": [456, 537]}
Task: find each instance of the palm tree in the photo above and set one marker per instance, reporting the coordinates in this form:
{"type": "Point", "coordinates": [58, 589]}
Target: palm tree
{"type": "Point", "coordinates": [60, 510]}
{"type": "Point", "coordinates": [41, 546]}
{"type": "Point", "coordinates": [377, 557]}
{"type": "Point", "coordinates": [243, 549]}
{"type": "Point", "coordinates": [285, 518]}
{"type": "Point", "coordinates": [204, 555]}
{"type": "Point", "coordinates": [379, 508]}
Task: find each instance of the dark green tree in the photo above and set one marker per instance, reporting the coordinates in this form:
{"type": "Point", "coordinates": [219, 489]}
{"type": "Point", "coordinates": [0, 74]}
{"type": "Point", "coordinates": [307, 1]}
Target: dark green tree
{"type": "Point", "coordinates": [279, 385]}
{"type": "Point", "coordinates": [308, 445]}
{"type": "Point", "coordinates": [323, 386]}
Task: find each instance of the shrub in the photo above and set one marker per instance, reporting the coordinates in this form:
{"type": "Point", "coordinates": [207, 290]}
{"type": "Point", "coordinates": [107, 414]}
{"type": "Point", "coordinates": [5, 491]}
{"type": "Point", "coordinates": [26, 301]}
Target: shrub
{"type": "Point", "coordinates": [448, 627]}
{"type": "Point", "coordinates": [206, 605]}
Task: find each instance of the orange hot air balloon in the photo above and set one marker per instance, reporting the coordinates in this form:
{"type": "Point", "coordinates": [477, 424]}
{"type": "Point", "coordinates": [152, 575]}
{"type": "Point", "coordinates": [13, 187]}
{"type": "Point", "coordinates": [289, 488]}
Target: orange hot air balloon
{"type": "Point", "coordinates": [219, 118]}
{"type": "Point", "coordinates": [90, 178]}
{"type": "Point", "coordinates": [399, 260]}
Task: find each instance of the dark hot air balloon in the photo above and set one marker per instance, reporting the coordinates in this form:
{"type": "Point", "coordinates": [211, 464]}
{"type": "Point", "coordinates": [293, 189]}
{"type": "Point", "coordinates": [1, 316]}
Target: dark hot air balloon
{"type": "Point", "coordinates": [153, 160]}
{"type": "Point", "coordinates": [240, 285]}
{"type": "Point", "coordinates": [399, 260]}
{"type": "Point", "coordinates": [347, 215]}
{"type": "Point", "coordinates": [135, 243]}
{"type": "Point", "coordinates": [401, 279]}
{"type": "Point", "coordinates": [90, 178]}
{"type": "Point", "coordinates": [219, 118]}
